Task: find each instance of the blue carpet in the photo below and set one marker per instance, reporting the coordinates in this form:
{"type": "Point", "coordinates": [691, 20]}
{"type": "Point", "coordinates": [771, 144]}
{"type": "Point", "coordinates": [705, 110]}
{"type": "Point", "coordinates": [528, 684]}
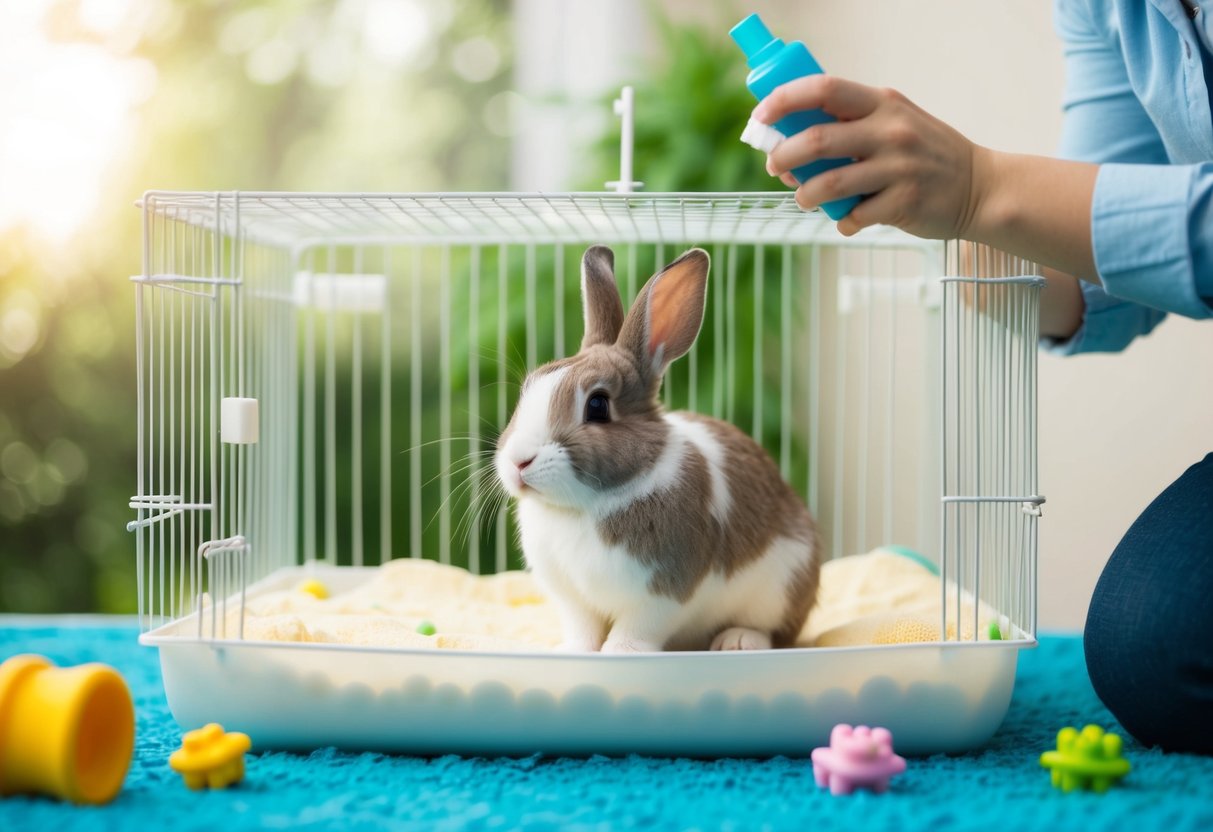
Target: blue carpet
{"type": "Point", "coordinates": [999, 789]}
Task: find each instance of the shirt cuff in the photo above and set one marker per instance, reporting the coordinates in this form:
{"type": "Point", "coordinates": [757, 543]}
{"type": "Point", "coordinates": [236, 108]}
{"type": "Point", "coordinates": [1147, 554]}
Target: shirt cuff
{"type": "Point", "coordinates": [1140, 236]}
{"type": "Point", "coordinates": [1108, 324]}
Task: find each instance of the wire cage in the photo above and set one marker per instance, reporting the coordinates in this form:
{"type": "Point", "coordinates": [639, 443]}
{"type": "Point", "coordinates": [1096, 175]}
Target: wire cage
{"type": "Point", "coordinates": [320, 376]}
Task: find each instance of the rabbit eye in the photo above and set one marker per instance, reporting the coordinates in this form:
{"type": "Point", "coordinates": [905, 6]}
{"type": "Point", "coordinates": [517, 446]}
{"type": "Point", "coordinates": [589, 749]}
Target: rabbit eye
{"type": "Point", "coordinates": [598, 408]}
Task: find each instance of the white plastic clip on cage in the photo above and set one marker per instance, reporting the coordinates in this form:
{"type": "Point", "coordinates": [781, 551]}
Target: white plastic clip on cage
{"type": "Point", "coordinates": [315, 371]}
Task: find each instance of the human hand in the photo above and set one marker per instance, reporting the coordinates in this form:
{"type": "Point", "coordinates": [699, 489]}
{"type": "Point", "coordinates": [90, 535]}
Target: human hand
{"type": "Point", "coordinates": [917, 173]}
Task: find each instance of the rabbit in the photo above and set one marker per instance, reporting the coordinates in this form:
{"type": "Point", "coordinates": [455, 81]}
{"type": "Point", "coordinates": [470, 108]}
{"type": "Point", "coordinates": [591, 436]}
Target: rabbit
{"type": "Point", "coordinates": [650, 530]}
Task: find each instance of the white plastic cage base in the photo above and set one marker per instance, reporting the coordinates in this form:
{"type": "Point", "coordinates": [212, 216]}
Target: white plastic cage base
{"type": "Point", "coordinates": [933, 697]}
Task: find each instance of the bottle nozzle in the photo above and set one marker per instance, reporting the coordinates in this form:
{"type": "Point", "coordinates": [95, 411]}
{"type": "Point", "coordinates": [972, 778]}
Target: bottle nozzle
{"type": "Point", "coordinates": [753, 36]}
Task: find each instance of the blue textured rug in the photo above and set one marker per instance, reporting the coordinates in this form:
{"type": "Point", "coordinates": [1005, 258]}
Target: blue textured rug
{"type": "Point", "coordinates": [999, 789]}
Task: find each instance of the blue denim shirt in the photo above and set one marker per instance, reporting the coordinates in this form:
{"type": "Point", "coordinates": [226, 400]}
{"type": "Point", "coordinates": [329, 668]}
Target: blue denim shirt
{"type": "Point", "coordinates": [1139, 85]}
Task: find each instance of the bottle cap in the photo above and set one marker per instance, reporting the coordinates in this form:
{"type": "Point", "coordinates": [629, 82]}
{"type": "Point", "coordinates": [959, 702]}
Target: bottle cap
{"type": "Point", "coordinates": [753, 36]}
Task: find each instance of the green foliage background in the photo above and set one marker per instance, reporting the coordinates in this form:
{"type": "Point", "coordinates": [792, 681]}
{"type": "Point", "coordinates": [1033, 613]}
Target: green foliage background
{"type": "Point", "coordinates": [67, 404]}
{"type": "Point", "coordinates": [690, 108]}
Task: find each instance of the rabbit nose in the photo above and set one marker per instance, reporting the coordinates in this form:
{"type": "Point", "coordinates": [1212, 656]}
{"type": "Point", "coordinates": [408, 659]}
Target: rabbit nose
{"type": "Point", "coordinates": [524, 464]}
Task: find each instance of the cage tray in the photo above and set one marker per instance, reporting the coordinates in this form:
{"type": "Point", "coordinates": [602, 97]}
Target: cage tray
{"type": "Point", "coordinates": [934, 697]}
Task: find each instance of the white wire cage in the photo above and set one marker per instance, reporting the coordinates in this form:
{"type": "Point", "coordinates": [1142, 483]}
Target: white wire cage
{"type": "Point", "coordinates": [318, 371]}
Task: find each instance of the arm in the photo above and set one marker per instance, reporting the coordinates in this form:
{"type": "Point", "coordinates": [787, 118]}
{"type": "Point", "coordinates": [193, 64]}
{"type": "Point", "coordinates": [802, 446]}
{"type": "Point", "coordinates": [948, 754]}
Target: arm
{"type": "Point", "coordinates": [926, 178]}
{"type": "Point", "coordinates": [1037, 208]}
{"type": "Point", "coordinates": [1143, 231]}
{"type": "Point", "coordinates": [1104, 122]}
{"type": "Point", "coordinates": [1061, 306]}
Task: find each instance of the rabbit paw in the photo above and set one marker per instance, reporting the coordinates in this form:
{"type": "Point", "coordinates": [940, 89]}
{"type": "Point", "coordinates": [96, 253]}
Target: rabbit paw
{"type": "Point", "coordinates": [586, 644]}
{"type": "Point", "coordinates": [741, 638]}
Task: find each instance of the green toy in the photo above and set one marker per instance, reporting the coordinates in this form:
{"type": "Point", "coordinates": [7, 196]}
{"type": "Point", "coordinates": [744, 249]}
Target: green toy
{"type": "Point", "coordinates": [1087, 760]}
{"type": "Point", "coordinates": [995, 632]}
{"type": "Point", "coordinates": [427, 628]}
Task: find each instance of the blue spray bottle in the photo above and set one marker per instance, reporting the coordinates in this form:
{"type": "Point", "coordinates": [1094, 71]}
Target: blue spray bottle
{"type": "Point", "coordinates": [773, 63]}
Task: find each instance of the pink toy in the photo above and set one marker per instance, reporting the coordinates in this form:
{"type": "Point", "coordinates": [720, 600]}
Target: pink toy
{"type": "Point", "coordinates": [857, 758]}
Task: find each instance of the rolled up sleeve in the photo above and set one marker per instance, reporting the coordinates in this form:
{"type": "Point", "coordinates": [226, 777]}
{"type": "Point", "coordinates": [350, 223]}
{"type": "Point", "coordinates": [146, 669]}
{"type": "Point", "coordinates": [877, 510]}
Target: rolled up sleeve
{"type": "Point", "coordinates": [1108, 324]}
{"type": "Point", "coordinates": [1153, 239]}
{"type": "Point", "coordinates": [1152, 235]}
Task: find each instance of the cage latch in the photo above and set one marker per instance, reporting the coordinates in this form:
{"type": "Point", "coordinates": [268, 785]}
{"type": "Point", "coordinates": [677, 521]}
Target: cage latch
{"type": "Point", "coordinates": [165, 506]}
{"type": "Point", "coordinates": [1032, 506]}
{"type": "Point", "coordinates": [220, 581]}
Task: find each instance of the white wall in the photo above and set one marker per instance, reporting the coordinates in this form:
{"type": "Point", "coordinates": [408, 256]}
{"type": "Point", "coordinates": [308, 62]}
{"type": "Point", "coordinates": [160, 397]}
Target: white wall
{"type": "Point", "coordinates": [569, 52]}
{"type": "Point", "coordinates": [1115, 430]}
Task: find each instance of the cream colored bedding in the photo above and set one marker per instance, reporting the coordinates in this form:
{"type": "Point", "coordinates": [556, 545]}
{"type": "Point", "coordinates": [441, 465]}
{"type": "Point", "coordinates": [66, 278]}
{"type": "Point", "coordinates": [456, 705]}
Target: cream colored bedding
{"type": "Point", "coordinates": [881, 597]}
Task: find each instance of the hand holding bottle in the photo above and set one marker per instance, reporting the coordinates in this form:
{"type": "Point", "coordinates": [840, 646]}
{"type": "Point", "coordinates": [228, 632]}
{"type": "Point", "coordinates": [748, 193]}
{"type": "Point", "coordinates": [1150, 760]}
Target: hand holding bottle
{"type": "Point", "coordinates": [918, 173]}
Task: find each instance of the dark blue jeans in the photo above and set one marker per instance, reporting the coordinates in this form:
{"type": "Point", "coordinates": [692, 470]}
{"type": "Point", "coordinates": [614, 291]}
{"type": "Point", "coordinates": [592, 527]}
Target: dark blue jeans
{"type": "Point", "coordinates": [1149, 633]}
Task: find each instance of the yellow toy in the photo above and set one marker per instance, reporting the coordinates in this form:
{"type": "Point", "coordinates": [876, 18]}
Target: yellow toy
{"type": "Point", "coordinates": [211, 757]}
{"type": "Point", "coordinates": [66, 732]}
{"type": "Point", "coordinates": [314, 588]}
{"type": "Point", "coordinates": [1087, 760]}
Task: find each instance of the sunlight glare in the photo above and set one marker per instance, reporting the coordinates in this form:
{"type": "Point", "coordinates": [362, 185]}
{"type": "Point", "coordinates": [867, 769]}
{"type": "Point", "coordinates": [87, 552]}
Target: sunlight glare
{"type": "Point", "coordinates": [65, 116]}
{"type": "Point", "coordinates": [395, 30]}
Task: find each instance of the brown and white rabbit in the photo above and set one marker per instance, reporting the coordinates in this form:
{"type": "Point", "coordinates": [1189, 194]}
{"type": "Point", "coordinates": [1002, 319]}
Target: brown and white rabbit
{"type": "Point", "coordinates": [651, 530]}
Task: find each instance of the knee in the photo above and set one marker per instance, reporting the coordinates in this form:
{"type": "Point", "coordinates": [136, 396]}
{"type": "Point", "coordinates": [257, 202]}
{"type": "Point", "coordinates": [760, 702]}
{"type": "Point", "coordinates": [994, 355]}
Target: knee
{"type": "Point", "coordinates": [1147, 639]}
{"type": "Point", "coordinates": [1151, 662]}
{"type": "Point", "coordinates": [1112, 642]}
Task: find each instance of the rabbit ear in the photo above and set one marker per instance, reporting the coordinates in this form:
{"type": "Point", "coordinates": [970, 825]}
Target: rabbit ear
{"type": "Point", "coordinates": [600, 297]}
{"type": "Point", "coordinates": [665, 319]}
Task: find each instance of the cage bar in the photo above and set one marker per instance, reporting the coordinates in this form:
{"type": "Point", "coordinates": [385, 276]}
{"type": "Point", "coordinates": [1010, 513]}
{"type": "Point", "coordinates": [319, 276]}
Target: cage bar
{"type": "Point", "coordinates": [991, 500]}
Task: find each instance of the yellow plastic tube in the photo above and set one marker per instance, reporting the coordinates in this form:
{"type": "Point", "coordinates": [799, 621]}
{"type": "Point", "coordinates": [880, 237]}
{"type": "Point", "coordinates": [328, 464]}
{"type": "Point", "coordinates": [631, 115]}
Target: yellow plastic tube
{"type": "Point", "coordinates": [66, 732]}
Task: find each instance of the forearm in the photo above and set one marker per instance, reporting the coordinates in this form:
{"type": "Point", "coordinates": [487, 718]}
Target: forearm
{"type": "Point", "coordinates": [1061, 305]}
{"type": "Point", "coordinates": [1040, 209]}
